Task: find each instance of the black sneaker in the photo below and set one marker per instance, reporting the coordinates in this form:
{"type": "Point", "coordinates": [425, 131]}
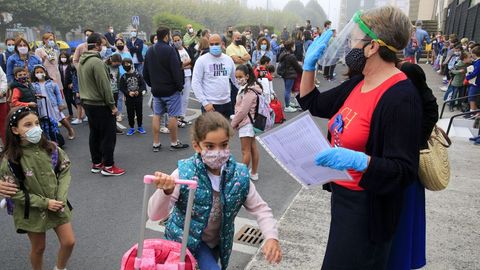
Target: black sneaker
{"type": "Point", "coordinates": [157, 148]}
{"type": "Point", "coordinates": [178, 146]}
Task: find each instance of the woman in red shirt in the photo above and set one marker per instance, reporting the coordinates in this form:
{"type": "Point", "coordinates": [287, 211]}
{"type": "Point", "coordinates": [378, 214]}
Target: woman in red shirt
{"type": "Point", "coordinates": [375, 130]}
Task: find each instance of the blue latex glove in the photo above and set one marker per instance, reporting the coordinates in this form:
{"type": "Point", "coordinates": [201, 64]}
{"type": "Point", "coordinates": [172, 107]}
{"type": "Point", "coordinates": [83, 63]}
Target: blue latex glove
{"type": "Point", "coordinates": [316, 50]}
{"type": "Point", "coordinates": [340, 158]}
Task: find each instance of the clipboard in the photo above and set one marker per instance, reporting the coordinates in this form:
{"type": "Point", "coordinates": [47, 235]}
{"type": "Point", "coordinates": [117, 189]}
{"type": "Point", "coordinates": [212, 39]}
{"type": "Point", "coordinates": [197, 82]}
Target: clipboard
{"type": "Point", "coordinates": [294, 144]}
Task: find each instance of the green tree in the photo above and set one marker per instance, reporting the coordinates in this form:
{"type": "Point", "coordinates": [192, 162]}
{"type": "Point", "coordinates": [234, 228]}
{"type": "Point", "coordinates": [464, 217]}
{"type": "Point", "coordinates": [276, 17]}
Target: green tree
{"type": "Point", "coordinates": [315, 13]}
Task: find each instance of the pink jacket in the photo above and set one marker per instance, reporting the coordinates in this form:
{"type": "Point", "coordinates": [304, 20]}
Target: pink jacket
{"type": "Point", "coordinates": [246, 103]}
{"type": "Point", "coordinates": [160, 205]}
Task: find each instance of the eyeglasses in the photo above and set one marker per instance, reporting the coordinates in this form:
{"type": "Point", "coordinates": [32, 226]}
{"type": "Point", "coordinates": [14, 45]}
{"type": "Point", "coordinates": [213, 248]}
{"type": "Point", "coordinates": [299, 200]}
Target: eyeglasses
{"type": "Point", "coordinates": [215, 44]}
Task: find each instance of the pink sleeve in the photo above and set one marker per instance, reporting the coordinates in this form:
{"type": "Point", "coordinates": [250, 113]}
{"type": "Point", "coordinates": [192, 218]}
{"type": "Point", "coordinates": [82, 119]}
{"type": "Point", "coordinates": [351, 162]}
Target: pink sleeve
{"type": "Point", "coordinates": [159, 205]}
{"type": "Point", "coordinates": [248, 101]}
{"type": "Point", "coordinates": [256, 206]}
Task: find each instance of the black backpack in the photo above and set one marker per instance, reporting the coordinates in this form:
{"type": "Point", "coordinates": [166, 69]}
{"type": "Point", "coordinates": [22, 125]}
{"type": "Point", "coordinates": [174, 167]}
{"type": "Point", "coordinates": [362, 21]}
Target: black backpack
{"type": "Point", "coordinates": [282, 68]}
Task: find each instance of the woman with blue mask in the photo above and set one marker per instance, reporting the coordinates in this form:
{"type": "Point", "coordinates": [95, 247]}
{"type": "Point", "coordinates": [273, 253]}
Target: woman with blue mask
{"type": "Point", "coordinates": [263, 48]}
{"type": "Point", "coordinates": [10, 43]}
{"type": "Point", "coordinates": [49, 56]}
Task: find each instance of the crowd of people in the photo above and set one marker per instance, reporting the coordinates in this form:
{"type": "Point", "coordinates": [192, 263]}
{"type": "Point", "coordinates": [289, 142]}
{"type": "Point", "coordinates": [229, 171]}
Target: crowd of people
{"type": "Point", "coordinates": [228, 72]}
{"type": "Point", "coordinates": [456, 59]}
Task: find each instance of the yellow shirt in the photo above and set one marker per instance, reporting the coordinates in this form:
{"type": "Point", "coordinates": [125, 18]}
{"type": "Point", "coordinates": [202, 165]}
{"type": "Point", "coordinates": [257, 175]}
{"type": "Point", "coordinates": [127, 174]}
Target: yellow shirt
{"type": "Point", "coordinates": [236, 50]}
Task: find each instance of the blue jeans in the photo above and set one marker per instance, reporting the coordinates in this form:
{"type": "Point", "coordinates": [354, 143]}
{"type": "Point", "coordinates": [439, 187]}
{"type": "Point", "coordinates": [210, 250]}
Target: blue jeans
{"type": "Point", "coordinates": [207, 258]}
{"type": "Point", "coordinates": [288, 90]}
{"type": "Point", "coordinates": [451, 90]}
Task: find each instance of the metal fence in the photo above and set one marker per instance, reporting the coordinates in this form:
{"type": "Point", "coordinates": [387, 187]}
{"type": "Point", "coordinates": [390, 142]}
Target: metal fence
{"type": "Point", "coordinates": [463, 20]}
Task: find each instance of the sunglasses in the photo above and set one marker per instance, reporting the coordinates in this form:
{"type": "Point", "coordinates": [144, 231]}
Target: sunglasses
{"type": "Point", "coordinates": [215, 44]}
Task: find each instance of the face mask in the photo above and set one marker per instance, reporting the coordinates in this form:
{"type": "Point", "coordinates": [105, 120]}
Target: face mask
{"type": "Point", "coordinates": [120, 47]}
{"type": "Point", "coordinates": [34, 135]}
{"type": "Point", "coordinates": [40, 76]}
{"type": "Point", "coordinates": [51, 43]}
{"type": "Point", "coordinates": [215, 159]}
{"type": "Point", "coordinates": [23, 50]}
{"type": "Point", "coordinates": [133, 34]}
{"type": "Point", "coordinates": [63, 60]}
{"type": "Point", "coordinates": [11, 48]}
{"type": "Point", "coordinates": [238, 42]}
{"type": "Point", "coordinates": [263, 47]}
{"type": "Point", "coordinates": [178, 44]}
{"type": "Point", "coordinates": [22, 79]}
{"type": "Point", "coordinates": [242, 81]}
{"type": "Point", "coordinates": [190, 30]}
{"type": "Point", "coordinates": [356, 60]}
{"type": "Point", "coordinates": [111, 30]}
{"type": "Point", "coordinates": [103, 52]}
{"type": "Point", "coordinates": [216, 50]}
{"type": "Point", "coordinates": [127, 68]}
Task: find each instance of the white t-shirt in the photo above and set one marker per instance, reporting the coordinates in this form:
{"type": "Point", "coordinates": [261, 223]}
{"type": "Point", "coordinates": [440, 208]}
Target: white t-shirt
{"type": "Point", "coordinates": [185, 57]}
{"type": "Point", "coordinates": [211, 79]}
{"type": "Point", "coordinates": [215, 180]}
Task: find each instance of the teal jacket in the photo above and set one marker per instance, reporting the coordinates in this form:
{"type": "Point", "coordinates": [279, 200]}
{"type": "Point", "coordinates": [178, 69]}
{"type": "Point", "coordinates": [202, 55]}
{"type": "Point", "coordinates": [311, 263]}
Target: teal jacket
{"type": "Point", "coordinates": [234, 188]}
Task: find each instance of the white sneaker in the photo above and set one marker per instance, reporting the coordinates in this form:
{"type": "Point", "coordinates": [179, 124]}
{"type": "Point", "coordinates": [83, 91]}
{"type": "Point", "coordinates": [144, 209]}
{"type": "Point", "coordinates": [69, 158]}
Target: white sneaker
{"type": "Point", "coordinates": [289, 110]}
{"type": "Point", "coordinates": [164, 130]}
{"type": "Point", "coordinates": [443, 88]}
{"type": "Point", "coordinates": [254, 177]}
{"type": "Point", "coordinates": [77, 121]}
{"type": "Point", "coordinates": [85, 119]}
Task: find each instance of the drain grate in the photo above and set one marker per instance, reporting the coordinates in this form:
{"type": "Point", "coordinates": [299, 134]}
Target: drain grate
{"type": "Point", "coordinates": [249, 235]}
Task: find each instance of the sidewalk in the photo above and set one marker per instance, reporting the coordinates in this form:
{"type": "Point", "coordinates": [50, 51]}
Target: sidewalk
{"type": "Point", "coordinates": [453, 216]}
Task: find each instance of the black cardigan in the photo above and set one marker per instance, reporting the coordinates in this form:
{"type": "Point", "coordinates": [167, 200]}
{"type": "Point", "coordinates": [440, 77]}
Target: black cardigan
{"type": "Point", "coordinates": [393, 145]}
{"type": "Point", "coordinates": [429, 103]}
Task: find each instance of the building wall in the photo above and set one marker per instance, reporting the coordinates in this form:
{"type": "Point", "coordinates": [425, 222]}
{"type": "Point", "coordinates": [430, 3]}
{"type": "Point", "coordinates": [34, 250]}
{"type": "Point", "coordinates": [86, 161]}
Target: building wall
{"type": "Point", "coordinates": [426, 9]}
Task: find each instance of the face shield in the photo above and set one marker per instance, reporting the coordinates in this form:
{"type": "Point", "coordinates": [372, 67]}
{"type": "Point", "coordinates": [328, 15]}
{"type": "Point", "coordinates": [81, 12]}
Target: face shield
{"type": "Point", "coordinates": [354, 35]}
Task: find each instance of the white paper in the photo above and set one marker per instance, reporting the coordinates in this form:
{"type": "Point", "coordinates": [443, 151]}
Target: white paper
{"type": "Point", "coordinates": [294, 146]}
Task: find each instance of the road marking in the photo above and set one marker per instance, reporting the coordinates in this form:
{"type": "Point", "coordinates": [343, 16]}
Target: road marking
{"type": "Point", "coordinates": [239, 222]}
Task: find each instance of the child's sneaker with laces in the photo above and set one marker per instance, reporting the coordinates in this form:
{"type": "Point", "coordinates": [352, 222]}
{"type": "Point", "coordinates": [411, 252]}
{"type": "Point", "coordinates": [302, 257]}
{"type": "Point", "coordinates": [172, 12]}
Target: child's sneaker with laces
{"type": "Point", "coordinates": [131, 131]}
{"type": "Point", "coordinates": [156, 148]}
{"type": "Point", "coordinates": [141, 130]}
{"type": "Point", "coordinates": [96, 168]}
{"type": "Point", "coordinates": [178, 146]}
{"type": "Point", "coordinates": [112, 171]}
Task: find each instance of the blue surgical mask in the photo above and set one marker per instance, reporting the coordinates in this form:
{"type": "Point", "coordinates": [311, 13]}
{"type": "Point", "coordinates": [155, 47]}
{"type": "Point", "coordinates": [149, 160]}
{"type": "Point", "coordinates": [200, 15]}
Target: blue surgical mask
{"type": "Point", "coordinates": [11, 48]}
{"type": "Point", "coordinates": [216, 50]}
{"type": "Point", "coordinates": [51, 43]}
{"type": "Point", "coordinates": [263, 47]}
{"type": "Point", "coordinates": [103, 52]}
{"type": "Point", "coordinates": [133, 34]}
{"type": "Point", "coordinates": [34, 135]}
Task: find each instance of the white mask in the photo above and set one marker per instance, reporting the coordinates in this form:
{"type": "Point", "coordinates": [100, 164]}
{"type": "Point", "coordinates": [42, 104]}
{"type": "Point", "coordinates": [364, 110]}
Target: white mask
{"type": "Point", "coordinates": [22, 50]}
{"type": "Point", "coordinates": [34, 135]}
{"type": "Point", "coordinates": [40, 76]}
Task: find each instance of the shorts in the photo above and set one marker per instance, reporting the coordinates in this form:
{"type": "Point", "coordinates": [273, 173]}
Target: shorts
{"type": "Point", "coordinates": [473, 90]}
{"type": "Point", "coordinates": [246, 131]}
{"type": "Point", "coordinates": [171, 105]}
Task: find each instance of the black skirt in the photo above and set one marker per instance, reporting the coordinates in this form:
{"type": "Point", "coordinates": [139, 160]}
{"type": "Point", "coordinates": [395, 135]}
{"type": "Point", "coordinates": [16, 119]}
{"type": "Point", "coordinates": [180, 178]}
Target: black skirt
{"type": "Point", "coordinates": [349, 246]}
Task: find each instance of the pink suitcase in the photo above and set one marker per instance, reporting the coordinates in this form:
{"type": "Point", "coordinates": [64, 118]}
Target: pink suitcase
{"type": "Point", "coordinates": [161, 254]}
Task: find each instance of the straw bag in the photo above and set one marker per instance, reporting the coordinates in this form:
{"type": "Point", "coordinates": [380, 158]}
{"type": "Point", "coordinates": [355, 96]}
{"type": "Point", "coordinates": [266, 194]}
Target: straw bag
{"type": "Point", "coordinates": [434, 169]}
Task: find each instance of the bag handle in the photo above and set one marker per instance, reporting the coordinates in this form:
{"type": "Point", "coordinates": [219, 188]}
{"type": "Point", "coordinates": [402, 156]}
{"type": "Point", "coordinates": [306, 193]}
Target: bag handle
{"type": "Point", "coordinates": [438, 131]}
